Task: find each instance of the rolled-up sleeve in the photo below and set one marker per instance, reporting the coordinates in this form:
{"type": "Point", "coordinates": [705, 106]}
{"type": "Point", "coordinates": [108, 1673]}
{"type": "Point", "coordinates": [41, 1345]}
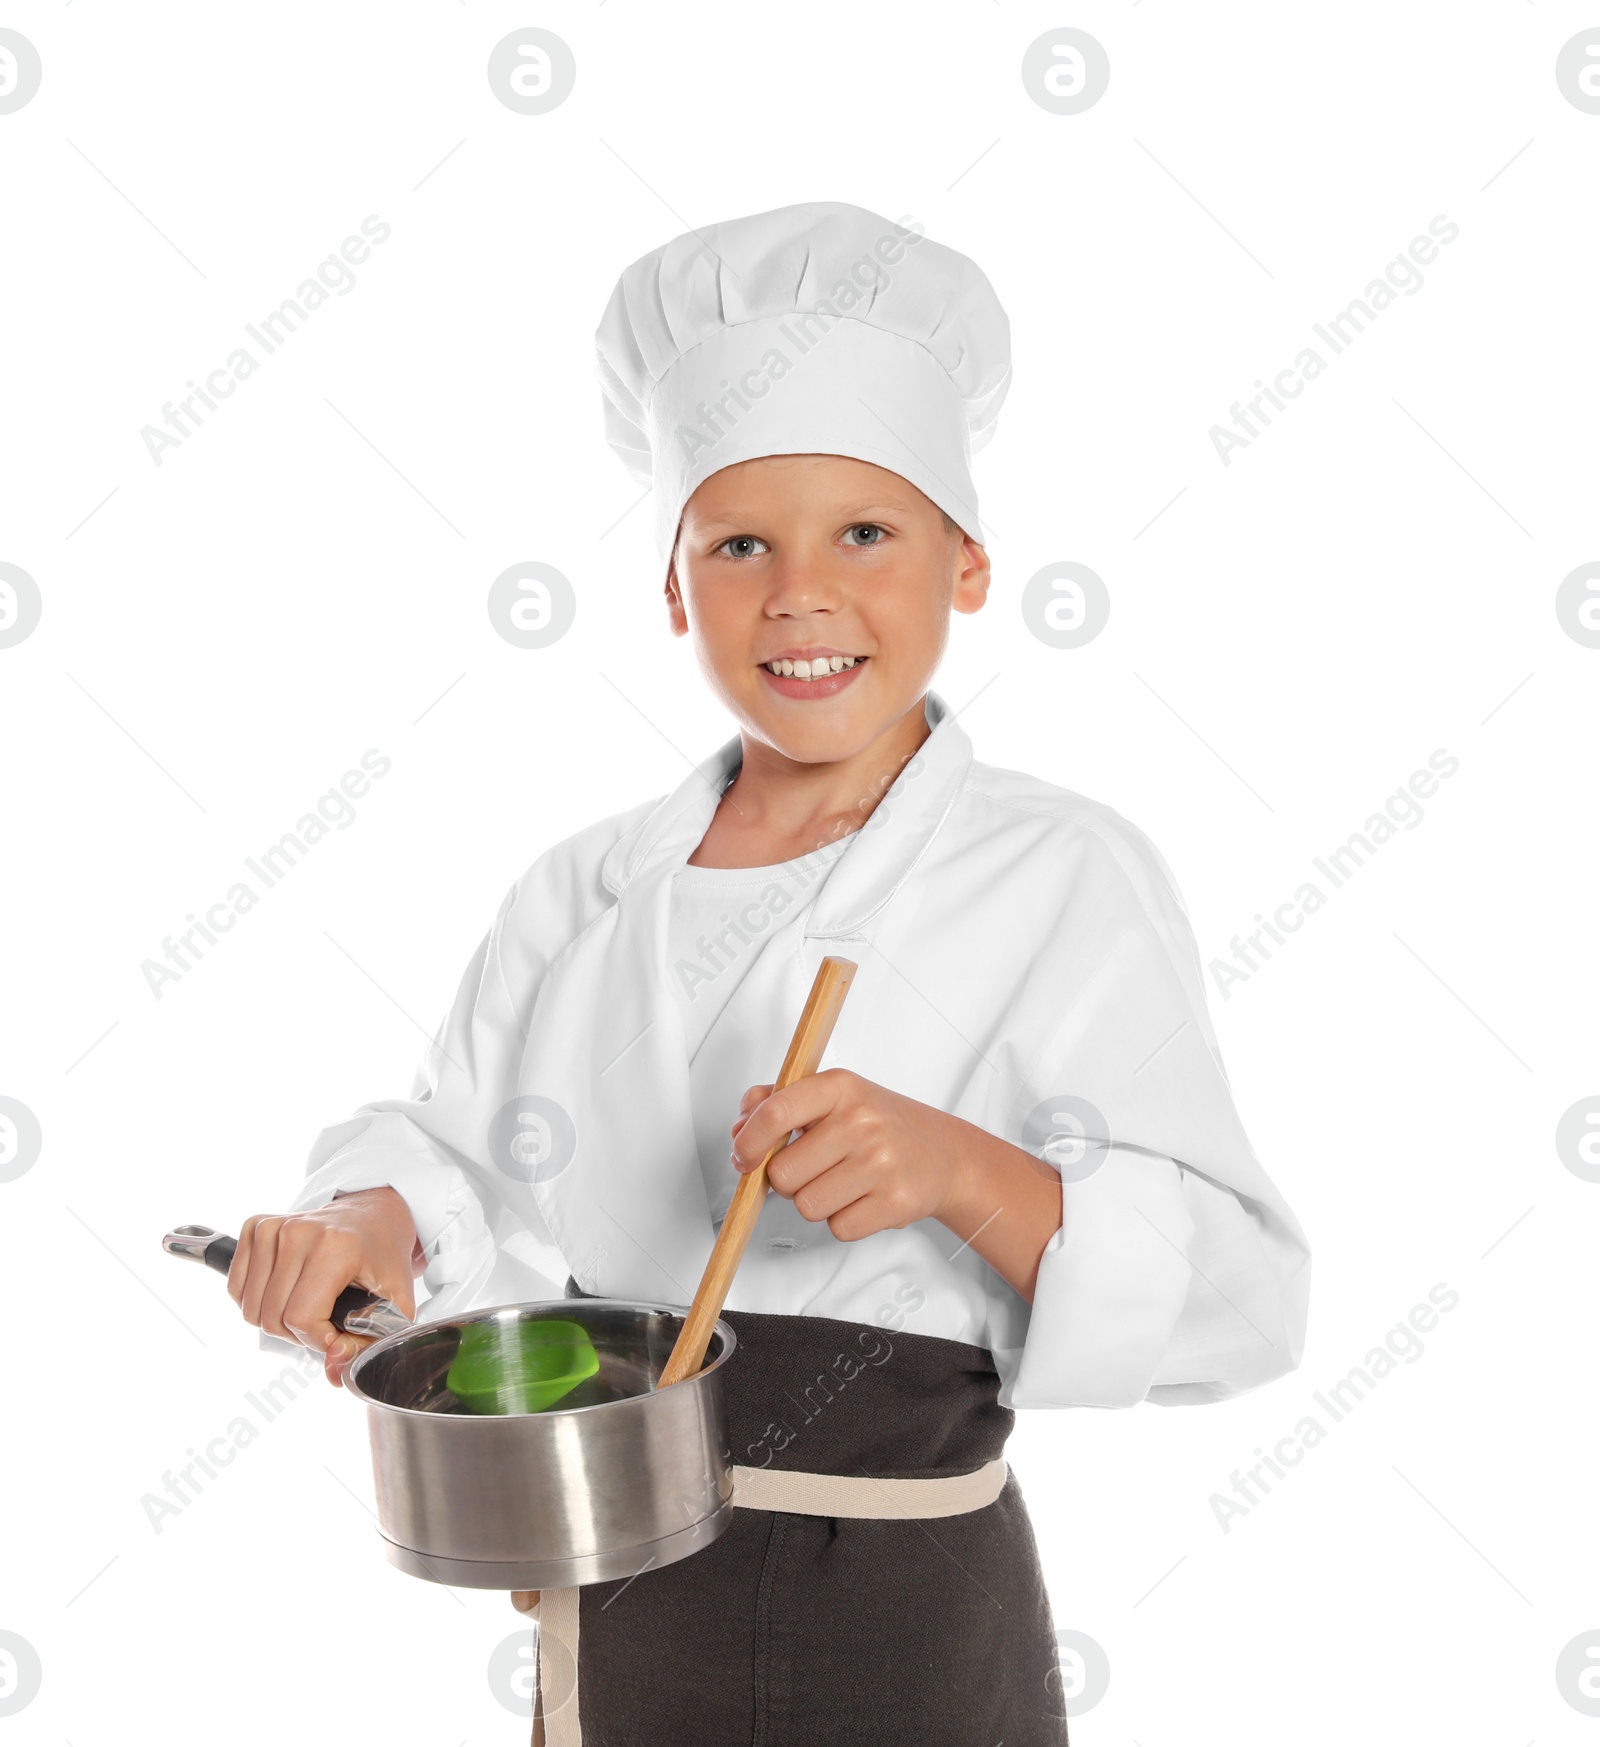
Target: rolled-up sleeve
{"type": "Point", "coordinates": [1111, 1287]}
{"type": "Point", "coordinates": [1159, 1285]}
{"type": "Point", "coordinates": [1179, 1274]}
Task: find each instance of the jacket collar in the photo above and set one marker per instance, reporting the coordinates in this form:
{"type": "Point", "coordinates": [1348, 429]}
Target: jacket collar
{"type": "Point", "coordinates": [870, 871]}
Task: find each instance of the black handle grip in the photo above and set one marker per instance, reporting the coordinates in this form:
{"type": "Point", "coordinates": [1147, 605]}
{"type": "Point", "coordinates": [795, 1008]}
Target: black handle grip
{"type": "Point", "coordinates": [218, 1254]}
{"type": "Point", "coordinates": [353, 1301]}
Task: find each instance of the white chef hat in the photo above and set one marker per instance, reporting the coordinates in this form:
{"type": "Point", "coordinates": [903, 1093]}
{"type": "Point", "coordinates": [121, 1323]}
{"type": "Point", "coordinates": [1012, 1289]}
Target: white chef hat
{"type": "Point", "coordinates": [814, 329]}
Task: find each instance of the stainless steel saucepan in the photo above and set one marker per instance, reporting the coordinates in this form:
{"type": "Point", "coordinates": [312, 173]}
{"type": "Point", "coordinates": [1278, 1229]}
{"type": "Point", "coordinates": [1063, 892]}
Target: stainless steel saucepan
{"type": "Point", "coordinates": [631, 1469]}
{"type": "Point", "coordinates": [621, 1476]}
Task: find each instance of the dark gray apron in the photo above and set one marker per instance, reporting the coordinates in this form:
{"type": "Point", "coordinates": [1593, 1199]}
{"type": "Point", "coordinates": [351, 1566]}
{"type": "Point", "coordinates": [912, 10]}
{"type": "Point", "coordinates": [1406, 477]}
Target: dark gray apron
{"type": "Point", "coordinates": [807, 1631]}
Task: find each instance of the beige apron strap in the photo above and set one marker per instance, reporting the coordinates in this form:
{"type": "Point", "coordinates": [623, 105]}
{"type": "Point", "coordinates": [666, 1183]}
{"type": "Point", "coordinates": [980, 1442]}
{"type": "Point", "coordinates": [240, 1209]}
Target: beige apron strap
{"type": "Point", "coordinates": [554, 1616]}
{"type": "Point", "coordinates": [861, 1495]}
{"type": "Point", "coordinates": [558, 1669]}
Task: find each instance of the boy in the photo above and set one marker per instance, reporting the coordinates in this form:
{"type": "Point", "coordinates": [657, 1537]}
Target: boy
{"type": "Point", "coordinates": [1022, 1182]}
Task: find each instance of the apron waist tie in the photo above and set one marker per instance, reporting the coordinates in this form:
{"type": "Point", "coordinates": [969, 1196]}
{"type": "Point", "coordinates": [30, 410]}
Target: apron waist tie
{"type": "Point", "coordinates": [793, 1491]}
{"type": "Point", "coordinates": [860, 1495]}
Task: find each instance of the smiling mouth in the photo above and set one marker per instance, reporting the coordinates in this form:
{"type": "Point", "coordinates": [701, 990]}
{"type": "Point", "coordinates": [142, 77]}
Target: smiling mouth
{"type": "Point", "coordinates": [821, 668]}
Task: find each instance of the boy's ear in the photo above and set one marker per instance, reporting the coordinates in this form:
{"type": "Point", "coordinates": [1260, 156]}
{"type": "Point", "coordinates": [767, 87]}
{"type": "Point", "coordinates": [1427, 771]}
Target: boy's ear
{"type": "Point", "coordinates": [677, 618]}
{"type": "Point", "coordinates": [972, 576]}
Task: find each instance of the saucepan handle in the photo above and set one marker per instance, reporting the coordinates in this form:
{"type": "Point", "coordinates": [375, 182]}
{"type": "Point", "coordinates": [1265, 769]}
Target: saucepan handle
{"type": "Point", "coordinates": [356, 1310]}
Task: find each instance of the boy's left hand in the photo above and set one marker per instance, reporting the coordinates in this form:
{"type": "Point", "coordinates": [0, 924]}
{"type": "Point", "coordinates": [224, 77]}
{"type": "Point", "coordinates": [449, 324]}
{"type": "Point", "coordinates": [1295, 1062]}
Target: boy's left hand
{"type": "Point", "coordinates": [869, 1159]}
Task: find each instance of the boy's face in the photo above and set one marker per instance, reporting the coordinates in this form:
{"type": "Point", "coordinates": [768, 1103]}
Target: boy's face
{"type": "Point", "coordinates": [802, 555]}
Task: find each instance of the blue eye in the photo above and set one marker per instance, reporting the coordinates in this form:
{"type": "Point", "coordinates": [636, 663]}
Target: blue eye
{"type": "Point", "coordinates": [871, 529]}
{"type": "Point", "coordinates": [742, 546]}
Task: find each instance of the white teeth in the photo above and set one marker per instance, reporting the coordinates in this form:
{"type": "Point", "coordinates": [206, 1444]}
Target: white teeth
{"type": "Point", "coordinates": [818, 669]}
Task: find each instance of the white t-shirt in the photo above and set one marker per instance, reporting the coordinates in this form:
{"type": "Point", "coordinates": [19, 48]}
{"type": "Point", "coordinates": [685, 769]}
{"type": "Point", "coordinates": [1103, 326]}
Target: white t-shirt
{"type": "Point", "coordinates": [719, 920]}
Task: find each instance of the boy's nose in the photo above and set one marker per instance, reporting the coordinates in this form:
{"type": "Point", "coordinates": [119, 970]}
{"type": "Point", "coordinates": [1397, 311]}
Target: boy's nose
{"type": "Point", "coordinates": [804, 582]}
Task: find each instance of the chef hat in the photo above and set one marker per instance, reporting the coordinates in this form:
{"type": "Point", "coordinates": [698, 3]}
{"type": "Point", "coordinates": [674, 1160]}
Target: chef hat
{"type": "Point", "coordinates": [815, 329]}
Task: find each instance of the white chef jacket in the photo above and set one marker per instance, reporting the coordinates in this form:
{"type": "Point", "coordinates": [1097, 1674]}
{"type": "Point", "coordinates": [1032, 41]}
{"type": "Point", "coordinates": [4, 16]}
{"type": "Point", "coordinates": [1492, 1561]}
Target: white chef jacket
{"type": "Point", "coordinates": [1018, 944]}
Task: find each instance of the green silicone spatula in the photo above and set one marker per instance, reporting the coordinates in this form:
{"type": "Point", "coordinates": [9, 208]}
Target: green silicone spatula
{"type": "Point", "coordinates": [520, 1367]}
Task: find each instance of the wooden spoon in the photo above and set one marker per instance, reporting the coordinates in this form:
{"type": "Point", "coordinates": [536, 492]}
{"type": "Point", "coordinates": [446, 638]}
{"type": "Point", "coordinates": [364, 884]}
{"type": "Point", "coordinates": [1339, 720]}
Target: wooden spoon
{"type": "Point", "coordinates": [810, 1039]}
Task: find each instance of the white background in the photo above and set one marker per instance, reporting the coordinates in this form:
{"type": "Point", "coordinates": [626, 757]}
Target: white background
{"type": "Point", "coordinates": [1372, 579]}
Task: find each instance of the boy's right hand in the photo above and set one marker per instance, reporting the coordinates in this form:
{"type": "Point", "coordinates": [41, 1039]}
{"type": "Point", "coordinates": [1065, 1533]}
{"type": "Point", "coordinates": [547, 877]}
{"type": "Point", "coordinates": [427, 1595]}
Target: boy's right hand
{"type": "Point", "coordinates": [289, 1269]}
